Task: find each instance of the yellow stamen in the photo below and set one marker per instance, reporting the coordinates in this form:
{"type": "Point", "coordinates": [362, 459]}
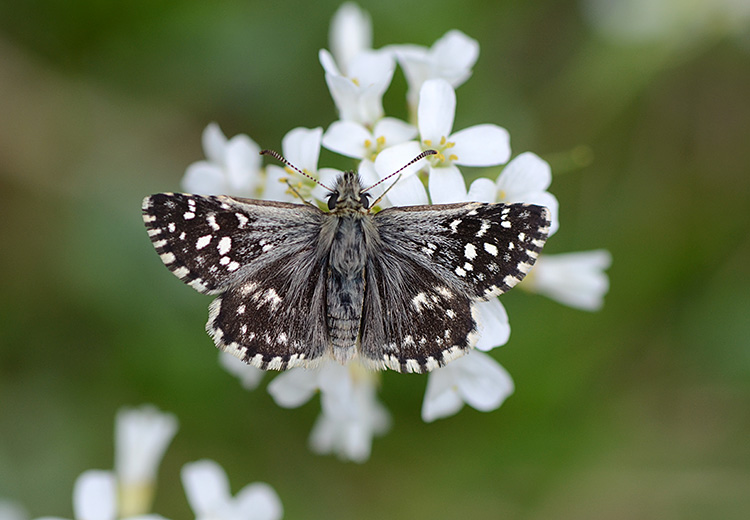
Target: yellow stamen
{"type": "Point", "coordinates": [428, 142]}
{"type": "Point", "coordinates": [368, 143]}
{"type": "Point", "coordinates": [381, 141]}
{"type": "Point", "coordinates": [450, 144]}
{"type": "Point", "coordinates": [453, 157]}
{"type": "Point", "coordinates": [443, 141]}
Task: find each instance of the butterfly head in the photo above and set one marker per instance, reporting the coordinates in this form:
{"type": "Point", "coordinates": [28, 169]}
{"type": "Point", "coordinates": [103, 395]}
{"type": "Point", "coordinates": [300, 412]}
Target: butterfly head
{"type": "Point", "coordinates": [348, 194]}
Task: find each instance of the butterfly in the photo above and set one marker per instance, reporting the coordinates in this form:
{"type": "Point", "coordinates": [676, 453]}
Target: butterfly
{"type": "Point", "coordinates": [397, 289]}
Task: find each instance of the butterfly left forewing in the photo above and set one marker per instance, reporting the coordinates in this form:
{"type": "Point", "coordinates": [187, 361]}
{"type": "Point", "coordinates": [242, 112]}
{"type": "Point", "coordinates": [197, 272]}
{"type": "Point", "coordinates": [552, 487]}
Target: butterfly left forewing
{"type": "Point", "coordinates": [430, 266]}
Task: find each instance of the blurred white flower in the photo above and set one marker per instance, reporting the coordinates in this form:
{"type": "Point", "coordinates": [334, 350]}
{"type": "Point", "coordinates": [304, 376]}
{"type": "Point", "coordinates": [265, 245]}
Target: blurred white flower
{"type": "Point", "coordinates": [232, 167]}
{"type": "Point", "coordinates": [574, 279]}
{"type": "Point", "coordinates": [350, 34]}
{"type": "Point", "coordinates": [207, 489]}
{"type": "Point", "coordinates": [141, 438]}
{"type": "Point", "coordinates": [677, 21]}
{"type": "Point", "coordinates": [358, 92]}
{"type": "Point", "coordinates": [450, 58]}
{"type": "Point", "coordinates": [351, 414]}
{"type": "Point", "coordinates": [249, 376]}
{"type": "Point", "coordinates": [475, 379]}
{"type": "Point", "coordinates": [11, 510]}
{"type": "Point", "coordinates": [95, 498]}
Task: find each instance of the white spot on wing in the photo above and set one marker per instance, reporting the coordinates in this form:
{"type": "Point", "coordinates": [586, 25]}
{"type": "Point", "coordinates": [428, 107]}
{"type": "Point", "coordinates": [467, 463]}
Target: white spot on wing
{"type": "Point", "coordinates": [203, 241]}
{"type": "Point", "coordinates": [225, 245]}
{"type": "Point", "coordinates": [490, 248]}
{"type": "Point", "coordinates": [470, 251]}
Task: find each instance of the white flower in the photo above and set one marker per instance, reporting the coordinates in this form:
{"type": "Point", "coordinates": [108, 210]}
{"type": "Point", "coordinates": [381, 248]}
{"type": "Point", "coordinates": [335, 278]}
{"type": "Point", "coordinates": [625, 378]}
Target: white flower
{"type": "Point", "coordinates": [11, 510]}
{"type": "Point", "coordinates": [95, 498]}
{"type": "Point", "coordinates": [207, 489]}
{"type": "Point", "coordinates": [141, 438]}
{"type": "Point", "coordinates": [574, 279]}
{"type": "Point", "coordinates": [356, 140]}
{"type": "Point", "coordinates": [351, 414]}
{"type": "Point", "coordinates": [358, 93]}
{"type": "Point", "coordinates": [680, 21]}
{"type": "Point", "coordinates": [475, 379]}
{"type": "Point", "coordinates": [233, 166]}
{"type": "Point", "coordinates": [301, 147]}
{"type": "Point", "coordinates": [350, 34]}
{"type": "Point", "coordinates": [248, 375]}
{"type": "Point", "coordinates": [526, 179]}
{"type": "Point", "coordinates": [480, 145]}
{"type": "Point", "coordinates": [450, 58]}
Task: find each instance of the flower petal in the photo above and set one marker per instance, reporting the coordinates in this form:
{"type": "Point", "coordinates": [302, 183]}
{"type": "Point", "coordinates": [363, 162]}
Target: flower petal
{"type": "Point", "coordinates": [328, 63]}
{"type": "Point", "coordinates": [214, 143]}
{"type": "Point", "coordinates": [409, 190]}
{"type": "Point", "coordinates": [249, 376]}
{"type": "Point", "coordinates": [482, 190]}
{"type": "Point", "coordinates": [347, 138]}
{"type": "Point", "coordinates": [447, 185]}
{"type": "Point", "coordinates": [206, 486]}
{"type": "Point", "coordinates": [350, 33]}
{"type": "Point", "coordinates": [437, 107]}
{"type": "Point", "coordinates": [440, 399]}
{"type": "Point", "coordinates": [294, 387]}
{"type": "Point", "coordinates": [484, 384]}
{"type": "Point", "coordinates": [95, 496]}
{"type": "Point", "coordinates": [301, 147]}
{"type": "Point", "coordinates": [204, 178]}
{"type": "Point", "coordinates": [259, 501]}
{"type": "Point", "coordinates": [243, 162]}
{"type": "Point", "coordinates": [574, 279]}
{"type": "Point", "coordinates": [394, 131]}
{"type": "Point", "coordinates": [494, 327]}
{"type": "Point", "coordinates": [455, 54]}
{"type": "Point", "coordinates": [481, 145]}
{"type": "Point", "coordinates": [525, 173]}
{"type": "Point", "coordinates": [141, 438]}
{"type": "Point", "coordinates": [274, 188]}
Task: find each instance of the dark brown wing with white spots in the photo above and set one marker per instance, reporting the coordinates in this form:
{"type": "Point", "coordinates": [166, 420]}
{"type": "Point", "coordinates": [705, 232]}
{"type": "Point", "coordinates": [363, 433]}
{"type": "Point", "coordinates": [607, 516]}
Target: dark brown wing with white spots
{"type": "Point", "coordinates": [263, 257]}
{"type": "Point", "coordinates": [428, 267]}
{"type": "Point", "coordinates": [210, 242]}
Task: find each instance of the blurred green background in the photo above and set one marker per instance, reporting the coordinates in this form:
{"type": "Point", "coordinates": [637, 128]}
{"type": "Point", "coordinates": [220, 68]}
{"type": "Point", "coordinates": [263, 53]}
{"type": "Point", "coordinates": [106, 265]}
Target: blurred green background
{"type": "Point", "coordinates": [639, 411]}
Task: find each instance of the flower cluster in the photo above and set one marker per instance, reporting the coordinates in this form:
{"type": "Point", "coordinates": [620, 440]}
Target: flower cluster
{"type": "Point", "coordinates": [357, 76]}
{"type": "Point", "coordinates": [141, 438]}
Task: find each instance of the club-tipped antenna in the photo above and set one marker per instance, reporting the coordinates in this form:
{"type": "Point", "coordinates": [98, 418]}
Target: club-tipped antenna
{"type": "Point", "coordinates": [405, 166]}
{"type": "Point", "coordinates": [280, 158]}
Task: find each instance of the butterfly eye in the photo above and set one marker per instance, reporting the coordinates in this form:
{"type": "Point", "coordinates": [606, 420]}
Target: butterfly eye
{"type": "Point", "coordinates": [332, 199]}
{"type": "Point", "coordinates": [364, 198]}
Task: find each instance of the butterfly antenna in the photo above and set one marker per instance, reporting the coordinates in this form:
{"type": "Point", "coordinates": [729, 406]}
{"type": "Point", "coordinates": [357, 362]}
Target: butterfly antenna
{"type": "Point", "coordinates": [280, 158]}
{"type": "Point", "coordinates": [405, 166]}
